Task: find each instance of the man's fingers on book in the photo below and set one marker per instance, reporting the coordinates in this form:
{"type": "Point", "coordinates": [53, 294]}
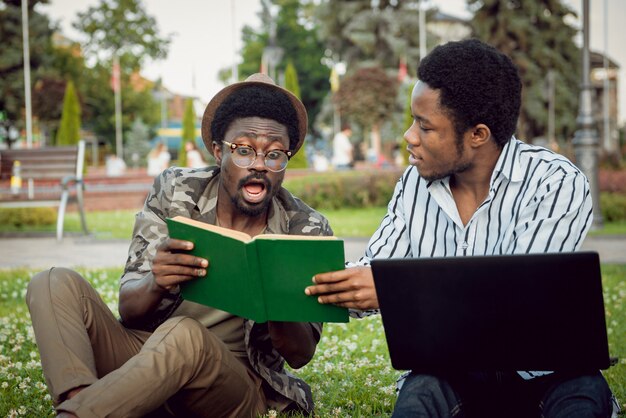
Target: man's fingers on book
{"type": "Point", "coordinates": [177, 244]}
{"type": "Point", "coordinates": [182, 259]}
{"type": "Point", "coordinates": [331, 277]}
{"type": "Point", "coordinates": [191, 272]}
{"type": "Point", "coordinates": [321, 289]}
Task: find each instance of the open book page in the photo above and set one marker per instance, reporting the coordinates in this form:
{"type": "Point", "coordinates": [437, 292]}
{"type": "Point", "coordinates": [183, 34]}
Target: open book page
{"type": "Point", "coordinates": [296, 237]}
{"type": "Point", "coordinates": [241, 236]}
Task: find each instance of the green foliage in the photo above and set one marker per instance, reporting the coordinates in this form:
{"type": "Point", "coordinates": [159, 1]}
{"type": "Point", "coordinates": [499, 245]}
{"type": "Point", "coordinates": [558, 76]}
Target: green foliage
{"type": "Point", "coordinates": [69, 130]}
{"type": "Point", "coordinates": [11, 56]}
{"type": "Point", "coordinates": [345, 189]}
{"type": "Point", "coordinates": [537, 37]}
{"type": "Point", "coordinates": [123, 28]}
{"type": "Point", "coordinates": [189, 132]}
{"type": "Point", "coordinates": [299, 160]}
{"type": "Point", "coordinates": [366, 33]}
{"type": "Point", "coordinates": [368, 96]}
{"type": "Point", "coordinates": [614, 289]}
{"type": "Point", "coordinates": [99, 108]}
{"type": "Point", "coordinates": [49, 88]}
{"type": "Point", "coordinates": [613, 206]}
{"type": "Point", "coordinates": [291, 79]}
{"type": "Point", "coordinates": [291, 83]}
{"type": "Point", "coordinates": [296, 34]}
{"type": "Point", "coordinates": [20, 218]}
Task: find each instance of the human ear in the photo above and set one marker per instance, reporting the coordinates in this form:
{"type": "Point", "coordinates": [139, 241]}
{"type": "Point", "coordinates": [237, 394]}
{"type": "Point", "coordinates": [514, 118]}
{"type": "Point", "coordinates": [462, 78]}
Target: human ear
{"type": "Point", "coordinates": [217, 152]}
{"type": "Point", "coordinates": [481, 134]}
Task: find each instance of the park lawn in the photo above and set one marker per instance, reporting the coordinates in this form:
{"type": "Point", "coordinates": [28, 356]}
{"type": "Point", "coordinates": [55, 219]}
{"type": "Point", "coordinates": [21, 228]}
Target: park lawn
{"type": "Point", "coordinates": [350, 374]}
{"type": "Point", "coordinates": [346, 223]}
{"type": "Point", "coordinates": [118, 224]}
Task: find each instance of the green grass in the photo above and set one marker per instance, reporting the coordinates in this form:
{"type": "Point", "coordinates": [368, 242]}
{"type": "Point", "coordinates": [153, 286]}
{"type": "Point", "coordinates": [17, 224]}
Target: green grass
{"type": "Point", "coordinates": [116, 224]}
{"type": "Point", "coordinates": [350, 374]}
{"type": "Point", "coordinates": [346, 223]}
{"type": "Point", "coordinates": [611, 228]}
{"type": "Point", "coordinates": [119, 224]}
{"type": "Point", "coordinates": [355, 222]}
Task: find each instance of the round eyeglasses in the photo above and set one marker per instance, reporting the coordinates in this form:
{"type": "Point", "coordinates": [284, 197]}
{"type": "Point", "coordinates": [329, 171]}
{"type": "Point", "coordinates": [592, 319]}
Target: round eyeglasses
{"type": "Point", "coordinates": [244, 156]}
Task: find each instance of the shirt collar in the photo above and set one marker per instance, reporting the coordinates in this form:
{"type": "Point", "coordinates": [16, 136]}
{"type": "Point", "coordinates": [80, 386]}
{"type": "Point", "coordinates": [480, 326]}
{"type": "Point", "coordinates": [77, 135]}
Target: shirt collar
{"type": "Point", "coordinates": [508, 163]}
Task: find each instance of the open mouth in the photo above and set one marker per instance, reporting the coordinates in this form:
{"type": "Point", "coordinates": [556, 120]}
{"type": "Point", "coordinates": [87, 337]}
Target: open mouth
{"type": "Point", "coordinates": [413, 159]}
{"type": "Point", "coordinates": [254, 191]}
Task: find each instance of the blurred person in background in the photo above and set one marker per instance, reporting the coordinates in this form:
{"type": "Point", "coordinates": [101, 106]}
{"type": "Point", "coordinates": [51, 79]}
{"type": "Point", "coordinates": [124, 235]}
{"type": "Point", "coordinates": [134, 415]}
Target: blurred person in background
{"type": "Point", "coordinates": [194, 157]}
{"type": "Point", "coordinates": [158, 159]}
{"type": "Point", "coordinates": [343, 149]}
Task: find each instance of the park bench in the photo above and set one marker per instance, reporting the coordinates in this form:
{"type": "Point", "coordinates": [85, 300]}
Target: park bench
{"type": "Point", "coordinates": [51, 177]}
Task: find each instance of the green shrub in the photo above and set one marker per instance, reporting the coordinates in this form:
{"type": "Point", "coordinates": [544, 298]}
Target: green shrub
{"type": "Point", "coordinates": [350, 189]}
{"type": "Point", "coordinates": [20, 217]}
{"type": "Point", "coordinates": [613, 206]}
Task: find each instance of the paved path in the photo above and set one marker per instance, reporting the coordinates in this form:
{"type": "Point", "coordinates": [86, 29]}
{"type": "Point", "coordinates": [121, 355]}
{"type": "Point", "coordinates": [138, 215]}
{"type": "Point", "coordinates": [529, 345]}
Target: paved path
{"type": "Point", "coordinates": [88, 252]}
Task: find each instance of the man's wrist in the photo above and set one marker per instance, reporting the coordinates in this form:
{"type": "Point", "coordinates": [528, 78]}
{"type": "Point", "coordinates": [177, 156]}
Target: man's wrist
{"type": "Point", "coordinates": [156, 287]}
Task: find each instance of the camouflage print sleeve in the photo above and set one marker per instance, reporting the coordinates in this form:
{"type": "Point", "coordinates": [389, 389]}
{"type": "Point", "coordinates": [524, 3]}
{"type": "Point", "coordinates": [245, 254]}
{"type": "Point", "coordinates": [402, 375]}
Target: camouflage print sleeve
{"type": "Point", "coordinates": [150, 229]}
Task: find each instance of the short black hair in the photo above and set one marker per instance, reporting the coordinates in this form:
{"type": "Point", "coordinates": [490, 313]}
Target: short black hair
{"type": "Point", "coordinates": [257, 101]}
{"type": "Point", "coordinates": [477, 84]}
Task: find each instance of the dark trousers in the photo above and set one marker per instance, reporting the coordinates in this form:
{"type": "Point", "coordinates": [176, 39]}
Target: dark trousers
{"type": "Point", "coordinates": [557, 395]}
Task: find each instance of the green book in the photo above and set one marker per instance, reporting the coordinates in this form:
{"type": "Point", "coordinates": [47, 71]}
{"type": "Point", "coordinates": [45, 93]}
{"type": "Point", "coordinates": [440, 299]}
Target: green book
{"type": "Point", "coordinates": [261, 278]}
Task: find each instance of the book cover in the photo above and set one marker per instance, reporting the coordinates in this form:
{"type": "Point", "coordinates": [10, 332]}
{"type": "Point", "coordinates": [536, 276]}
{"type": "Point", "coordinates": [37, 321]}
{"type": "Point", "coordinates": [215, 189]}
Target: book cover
{"type": "Point", "coordinates": [261, 278]}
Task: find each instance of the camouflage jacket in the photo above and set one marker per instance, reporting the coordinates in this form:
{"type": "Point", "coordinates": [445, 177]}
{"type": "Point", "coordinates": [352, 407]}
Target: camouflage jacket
{"type": "Point", "coordinates": [193, 193]}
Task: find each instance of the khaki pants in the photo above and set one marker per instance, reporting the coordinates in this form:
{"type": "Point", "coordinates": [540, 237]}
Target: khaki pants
{"type": "Point", "coordinates": [129, 372]}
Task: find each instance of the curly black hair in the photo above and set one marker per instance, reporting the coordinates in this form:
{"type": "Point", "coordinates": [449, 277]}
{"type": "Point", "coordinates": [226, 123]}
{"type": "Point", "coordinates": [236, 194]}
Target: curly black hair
{"type": "Point", "coordinates": [256, 100]}
{"type": "Point", "coordinates": [477, 84]}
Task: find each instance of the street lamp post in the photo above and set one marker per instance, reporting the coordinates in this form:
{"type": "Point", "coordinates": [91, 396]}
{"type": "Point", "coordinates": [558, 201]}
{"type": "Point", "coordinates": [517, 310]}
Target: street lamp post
{"type": "Point", "coordinates": [586, 138]}
{"type": "Point", "coordinates": [27, 93]}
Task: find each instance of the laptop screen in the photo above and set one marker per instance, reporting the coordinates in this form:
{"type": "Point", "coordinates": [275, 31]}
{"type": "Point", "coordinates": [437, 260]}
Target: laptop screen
{"type": "Point", "coordinates": [504, 312]}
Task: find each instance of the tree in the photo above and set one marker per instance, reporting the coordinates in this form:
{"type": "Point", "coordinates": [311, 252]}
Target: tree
{"type": "Point", "coordinates": [296, 33]}
{"type": "Point", "coordinates": [189, 131]}
{"type": "Point", "coordinates": [366, 33]}
{"type": "Point", "coordinates": [538, 39]}
{"type": "Point", "coordinates": [368, 97]}
{"type": "Point", "coordinates": [98, 109]}
{"type": "Point", "coordinates": [291, 83]}
{"type": "Point", "coordinates": [291, 79]}
{"type": "Point", "coordinates": [122, 28]}
{"type": "Point", "coordinates": [119, 28]}
{"type": "Point", "coordinates": [49, 88]}
{"type": "Point", "coordinates": [11, 54]}
{"type": "Point", "coordinates": [69, 130]}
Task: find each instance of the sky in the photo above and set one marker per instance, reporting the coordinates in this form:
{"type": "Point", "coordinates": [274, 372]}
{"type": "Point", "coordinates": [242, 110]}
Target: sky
{"type": "Point", "coordinates": [206, 35]}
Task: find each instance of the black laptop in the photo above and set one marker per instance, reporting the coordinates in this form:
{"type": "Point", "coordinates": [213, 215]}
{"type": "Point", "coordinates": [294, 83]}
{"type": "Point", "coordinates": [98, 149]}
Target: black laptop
{"type": "Point", "coordinates": [531, 312]}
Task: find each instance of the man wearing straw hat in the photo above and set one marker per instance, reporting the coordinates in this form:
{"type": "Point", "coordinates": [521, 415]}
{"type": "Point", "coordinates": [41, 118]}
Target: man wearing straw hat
{"type": "Point", "coordinates": [171, 356]}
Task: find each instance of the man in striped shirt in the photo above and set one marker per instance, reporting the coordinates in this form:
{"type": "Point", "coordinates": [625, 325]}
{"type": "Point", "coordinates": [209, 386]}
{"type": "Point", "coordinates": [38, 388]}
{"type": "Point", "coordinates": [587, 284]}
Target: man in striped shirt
{"type": "Point", "coordinates": [474, 189]}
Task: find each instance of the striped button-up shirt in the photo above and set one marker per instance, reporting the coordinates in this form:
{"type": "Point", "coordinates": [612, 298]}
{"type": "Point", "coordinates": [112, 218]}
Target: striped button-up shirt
{"type": "Point", "coordinates": [538, 202]}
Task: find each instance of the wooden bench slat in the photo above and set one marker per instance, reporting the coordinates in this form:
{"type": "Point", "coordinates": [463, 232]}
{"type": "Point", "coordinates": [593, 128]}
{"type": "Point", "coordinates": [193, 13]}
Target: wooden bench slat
{"type": "Point", "coordinates": [45, 164]}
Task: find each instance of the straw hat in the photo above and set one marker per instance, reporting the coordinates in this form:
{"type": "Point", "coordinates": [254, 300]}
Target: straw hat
{"type": "Point", "coordinates": [255, 79]}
